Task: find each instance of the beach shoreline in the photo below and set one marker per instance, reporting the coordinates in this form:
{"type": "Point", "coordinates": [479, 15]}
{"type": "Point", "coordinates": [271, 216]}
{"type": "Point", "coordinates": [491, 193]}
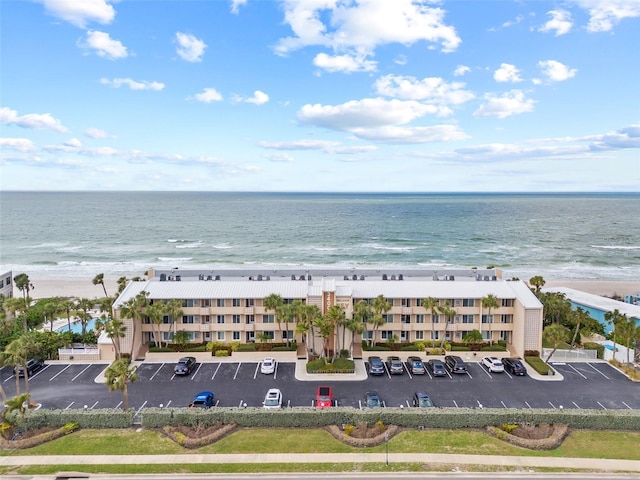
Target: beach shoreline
{"type": "Point", "coordinates": [46, 286]}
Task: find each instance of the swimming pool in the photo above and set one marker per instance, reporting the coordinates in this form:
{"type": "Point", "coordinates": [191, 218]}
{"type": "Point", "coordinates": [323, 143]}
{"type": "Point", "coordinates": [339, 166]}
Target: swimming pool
{"type": "Point", "coordinates": [76, 327]}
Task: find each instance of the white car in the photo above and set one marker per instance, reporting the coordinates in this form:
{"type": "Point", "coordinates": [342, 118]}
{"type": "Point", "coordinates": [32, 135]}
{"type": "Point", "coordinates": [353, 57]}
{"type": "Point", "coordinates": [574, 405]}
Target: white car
{"type": "Point", "coordinates": [273, 399]}
{"type": "Point", "coordinates": [493, 364]}
{"type": "Point", "coordinates": [268, 366]}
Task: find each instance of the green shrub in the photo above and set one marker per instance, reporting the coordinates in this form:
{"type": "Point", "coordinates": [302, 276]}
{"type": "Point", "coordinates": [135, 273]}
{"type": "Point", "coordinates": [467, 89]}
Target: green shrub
{"type": "Point", "coordinates": [348, 429]}
{"type": "Point", "coordinates": [222, 353]}
{"type": "Point", "coordinates": [508, 427]}
{"type": "Point", "coordinates": [340, 365]}
{"type": "Point", "coordinates": [70, 428]}
{"type": "Point", "coordinates": [460, 348]}
{"type": "Point", "coordinates": [411, 348]}
{"type": "Point", "coordinates": [539, 365]}
{"type": "Point", "coordinates": [246, 347]}
{"type": "Point", "coordinates": [595, 346]}
{"type": "Point", "coordinates": [160, 349]}
{"type": "Point", "coordinates": [196, 348]}
{"type": "Point", "coordinates": [494, 348]}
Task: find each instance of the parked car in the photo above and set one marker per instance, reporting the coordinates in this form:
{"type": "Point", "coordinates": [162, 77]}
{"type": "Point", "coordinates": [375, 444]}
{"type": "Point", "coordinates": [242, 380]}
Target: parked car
{"type": "Point", "coordinates": [268, 366]}
{"type": "Point", "coordinates": [33, 365]}
{"type": "Point", "coordinates": [514, 366]}
{"type": "Point", "coordinates": [493, 364]}
{"type": "Point", "coordinates": [436, 367]}
{"type": "Point", "coordinates": [324, 397]}
{"type": "Point", "coordinates": [422, 400]}
{"type": "Point", "coordinates": [376, 367]}
{"type": "Point", "coordinates": [416, 366]}
{"type": "Point", "coordinates": [203, 400]}
{"type": "Point", "coordinates": [455, 364]}
{"type": "Point", "coordinates": [395, 365]}
{"type": "Point", "coordinates": [184, 366]}
{"type": "Point", "coordinates": [273, 399]}
{"type": "Point", "coordinates": [372, 400]}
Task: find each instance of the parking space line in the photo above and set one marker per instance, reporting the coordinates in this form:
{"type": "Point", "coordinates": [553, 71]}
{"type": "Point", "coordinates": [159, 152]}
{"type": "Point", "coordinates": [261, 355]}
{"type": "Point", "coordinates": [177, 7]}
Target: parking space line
{"type": "Point", "coordinates": [275, 371]}
{"type": "Point", "coordinates": [216, 372]}
{"type": "Point", "coordinates": [479, 404]}
{"type": "Point", "coordinates": [408, 405]}
{"type": "Point", "coordinates": [484, 369]}
{"type": "Point", "coordinates": [576, 370]}
{"type": "Point", "coordinates": [140, 409]}
{"type": "Point", "coordinates": [84, 370]}
{"type": "Point", "coordinates": [384, 405]}
{"type": "Point", "coordinates": [39, 371]}
{"type": "Point", "coordinates": [237, 370]}
{"type": "Point", "coordinates": [92, 406]}
{"type": "Point", "coordinates": [241, 404]}
{"type": "Point", "coordinates": [552, 405]}
{"type": "Point", "coordinates": [591, 365]}
{"type": "Point", "coordinates": [9, 378]}
{"type": "Point", "coordinates": [196, 372]}
{"type": "Point", "coordinates": [360, 404]}
{"type": "Point", "coordinates": [168, 403]}
{"type": "Point", "coordinates": [577, 406]}
{"type": "Point", "coordinates": [408, 372]}
{"type": "Point", "coordinates": [255, 374]}
{"type": "Point", "coordinates": [627, 406]}
{"type": "Point", "coordinates": [157, 371]}
{"type": "Point", "coordinates": [119, 403]}
{"type": "Point", "coordinates": [503, 404]}
{"type": "Point", "coordinates": [69, 406]}
{"type": "Point", "coordinates": [527, 404]}
{"type": "Point", "coordinates": [454, 402]}
{"type": "Point", "coordinates": [59, 372]}
{"type": "Point", "coordinates": [603, 407]}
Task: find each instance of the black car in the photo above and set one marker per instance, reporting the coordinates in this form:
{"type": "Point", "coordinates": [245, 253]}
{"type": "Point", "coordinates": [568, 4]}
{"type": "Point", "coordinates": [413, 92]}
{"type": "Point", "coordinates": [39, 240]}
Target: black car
{"type": "Point", "coordinates": [514, 366]}
{"type": "Point", "coordinates": [395, 365]}
{"type": "Point", "coordinates": [372, 400]}
{"type": "Point", "coordinates": [184, 366]}
{"type": "Point", "coordinates": [416, 366]}
{"type": "Point", "coordinates": [422, 400]}
{"type": "Point", "coordinates": [455, 364]}
{"type": "Point", "coordinates": [376, 367]}
{"type": "Point", "coordinates": [33, 365]}
{"type": "Point", "coordinates": [436, 367]}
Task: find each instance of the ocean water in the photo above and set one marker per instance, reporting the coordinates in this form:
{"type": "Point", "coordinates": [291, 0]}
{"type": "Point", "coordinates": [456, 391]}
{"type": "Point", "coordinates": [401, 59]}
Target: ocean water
{"type": "Point", "coordinates": [81, 234]}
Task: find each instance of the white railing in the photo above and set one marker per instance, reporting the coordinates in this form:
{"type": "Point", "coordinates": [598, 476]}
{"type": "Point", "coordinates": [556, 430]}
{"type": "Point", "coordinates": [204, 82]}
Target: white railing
{"type": "Point", "coordinates": [79, 351]}
{"type": "Point", "coordinates": [567, 355]}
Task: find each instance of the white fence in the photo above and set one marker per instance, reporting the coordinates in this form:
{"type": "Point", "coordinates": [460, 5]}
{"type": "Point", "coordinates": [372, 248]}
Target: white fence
{"type": "Point", "coordinates": [85, 353]}
{"type": "Point", "coordinates": [577, 354]}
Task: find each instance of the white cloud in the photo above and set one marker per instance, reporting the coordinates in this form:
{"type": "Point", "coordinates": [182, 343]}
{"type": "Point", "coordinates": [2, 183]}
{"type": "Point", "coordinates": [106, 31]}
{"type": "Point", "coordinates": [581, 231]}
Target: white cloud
{"type": "Point", "coordinates": [36, 121]}
{"type": "Point", "coordinates": [190, 48]}
{"type": "Point", "coordinates": [344, 63]}
{"type": "Point", "coordinates": [104, 45]}
{"type": "Point", "coordinates": [405, 135]}
{"type": "Point", "coordinates": [510, 103]}
{"type": "Point", "coordinates": [461, 70]}
{"type": "Point", "coordinates": [364, 25]}
{"type": "Point", "coordinates": [321, 145]}
{"type": "Point", "coordinates": [279, 157]}
{"type": "Point", "coordinates": [236, 4]}
{"type": "Point", "coordinates": [17, 144]}
{"type": "Point", "coordinates": [208, 95]}
{"type": "Point", "coordinates": [73, 142]}
{"type": "Point", "coordinates": [627, 137]}
{"type": "Point", "coordinates": [80, 12]}
{"type": "Point", "coordinates": [432, 89]}
{"type": "Point", "coordinates": [133, 84]}
{"type": "Point", "coordinates": [556, 71]}
{"type": "Point", "coordinates": [507, 73]}
{"type": "Point", "coordinates": [258, 98]}
{"type": "Point", "coordinates": [96, 133]}
{"type": "Point", "coordinates": [510, 23]}
{"type": "Point", "coordinates": [604, 15]}
{"type": "Point", "coordinates": [560, 22]}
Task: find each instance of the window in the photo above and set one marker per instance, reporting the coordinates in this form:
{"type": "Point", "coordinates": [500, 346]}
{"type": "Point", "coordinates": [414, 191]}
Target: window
{"type": "Point", "coordinates": [220, 336]}
{"type": "Point", "coordinates": [404, 336]}
{"type": "Point", "coordinates": [367, 335]}
{"type": "Point", "coordinates": [220, 302]}
{"type": "Point", "coordinates": [187, 319]}
{"type": "Point", "coordinates": [287, 334]}
{"type": "Point", "coordinates": [419, 318]}
{"type": "Point", "coordinates": [507, 302]}
{"type": "Point", "coordinates": [420, 335]}
{"type": "Point", "coordinates": [166, 319]}
{"type": "Point", "coordinates": [236, 302]}
{"type": "Point", "coordinates": [249, 319]}
{"type": "Point", "coordinates": [468, 302]}
{"type": "Point", "coordinates": [236, 319]}
{"type": "Point", "coordinates": [190, 303]}
{"type": "Point", "coordinates": [386, 334]}
{"type": "Point", "coordinates": [167, 336]}
{"type": "Point", "coordinates": [206, 318]}
{"type": "Point", "coordinates": [405, 318]}
{"type": "Point", "coordinates": [268, 334]}
{"type": "Point", "coordinates": [487, 318]}
{"type": "Point", "coordinates": [219, 318]}
{"type": "Point", "coordinates": [467, 318]}
{"type": "Point", "coordinates": [486, 335]}
{"type": "Point", "coordinates": [406, 302]}
{"type": "Point", "coordinates": [236, 336]}
{"type": "Point", "coordinates": [205, 302]}
{"type": "Point", "coordinates": [435, 318]}
{"type": "Point", "coordinates": [418, 302]}
{"type": "Point", "coordinates": [388, 317]}
{"type": "Point", "coordinates": [508, 318]}
{"type": "Point", "coordinates": [249, 302]}
{"type": "Point", "coordinates": [268, 318]}
{"type": "Point", "coordinates": [1, 283]}
{"type": "Point", "coordinates": [435, 335]}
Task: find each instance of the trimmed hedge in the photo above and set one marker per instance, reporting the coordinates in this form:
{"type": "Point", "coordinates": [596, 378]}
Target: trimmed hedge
{"type": "Point", "coordinates": [540, 366]}
{"type": "Point", "coordinates": [102, 418]}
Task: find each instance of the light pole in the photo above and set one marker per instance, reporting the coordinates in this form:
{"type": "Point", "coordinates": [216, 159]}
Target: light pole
{"type": "Point", "coordinates": [386, 442]}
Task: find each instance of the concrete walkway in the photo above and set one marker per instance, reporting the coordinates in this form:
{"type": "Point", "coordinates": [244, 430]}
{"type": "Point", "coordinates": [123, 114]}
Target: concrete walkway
{"type": "Point", "coordinates": [590, 464]}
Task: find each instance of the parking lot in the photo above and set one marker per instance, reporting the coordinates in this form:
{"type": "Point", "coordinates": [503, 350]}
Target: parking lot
{"type": "Point", "coordinates": [585, 386]}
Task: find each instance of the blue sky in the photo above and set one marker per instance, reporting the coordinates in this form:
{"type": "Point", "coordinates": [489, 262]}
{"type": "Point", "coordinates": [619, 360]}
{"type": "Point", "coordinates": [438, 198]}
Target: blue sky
{"type": "Point", "coordinates": [320, 95]}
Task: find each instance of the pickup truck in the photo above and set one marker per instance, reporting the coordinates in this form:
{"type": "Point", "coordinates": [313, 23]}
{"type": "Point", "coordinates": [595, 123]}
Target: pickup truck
{"type": "Point", "coordinates": [324, 397]}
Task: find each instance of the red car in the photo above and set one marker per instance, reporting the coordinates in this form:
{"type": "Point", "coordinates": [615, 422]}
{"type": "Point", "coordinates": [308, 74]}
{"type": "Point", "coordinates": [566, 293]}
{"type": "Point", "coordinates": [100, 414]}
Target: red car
{"type": "Point", "coordinates": [324, 397]}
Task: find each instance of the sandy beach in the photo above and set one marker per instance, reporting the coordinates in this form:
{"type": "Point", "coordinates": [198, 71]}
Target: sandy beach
{"type": "Point", "coordinates": [47, 286]}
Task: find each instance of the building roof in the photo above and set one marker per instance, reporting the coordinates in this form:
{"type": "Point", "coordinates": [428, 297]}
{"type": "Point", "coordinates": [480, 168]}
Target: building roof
{"type": "Point", "coordinates": [596, 301]}
{"type": "Point", "coordinates": [370, 287]}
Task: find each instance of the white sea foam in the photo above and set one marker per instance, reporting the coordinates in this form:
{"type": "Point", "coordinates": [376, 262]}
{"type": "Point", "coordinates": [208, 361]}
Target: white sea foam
{"type": "Point", "coordinates": [617, 247]}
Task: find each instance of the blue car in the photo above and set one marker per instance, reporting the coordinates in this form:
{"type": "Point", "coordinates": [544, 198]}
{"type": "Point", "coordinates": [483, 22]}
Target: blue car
{"type": "Point", "coordinates": [203, 400]}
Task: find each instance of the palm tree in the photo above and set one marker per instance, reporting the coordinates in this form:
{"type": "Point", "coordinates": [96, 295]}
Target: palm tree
{"type": "Point", "coordinates": [325, 328]}
{"type": "Point", "coordinates": [273, 303]}
{"type": "Point", "coordinates": [626, 330]}
{"type": "Point", "coordinates": [490, 301]}
{"type": "Point", "coordinates": [99, 280]}
{"type": "Point", "coordinates": [555, 334]}
{"type": "Point", "coordinates": [122, 284]}
{"type": "Point", "coordinates": [155, 312]}
{"type": "Point", "coordinates": [336, 315]}
{"type": "Point", "coordinates": [15, 354]}
{"type": "Point", "coordinates": [173, 309]}
{"type": "Point", "coordinates": [67, 306]}
{"type": "Point", "coordinates": [614, 318]}
{"type": "Point", "coordinates": [447, 312]}
{"type": "Point", "coordinates": [23, 284]}
{"type": "Point", "coordinates": [474, 336]}
{"type": "Point", "coordinates": [431, 304]}
{"type": "Point", "coordinates": [134, 309]}
{"type": "Point", "coordinates": [4, 361]}
{"type": "Point", "coordinates": [537, 282]}
{"type": "Point", "coordinates": [578, 317]}
{"type": "Point", "coordinates": [19, 403]}
{"type": "Point", "coordinates": [380, 306]}
{"type": "Point", "coordinates": [309, 314]}
{"type": "Point", "coordinates": [119, 374]}
{"type": "Point", "coordinates": [82, 312]}
{"type": "Point", "coordinates": [362, 311]}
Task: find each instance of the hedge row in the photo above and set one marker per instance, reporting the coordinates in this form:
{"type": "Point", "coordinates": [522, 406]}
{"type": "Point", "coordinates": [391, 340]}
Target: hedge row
{"type": "Point", "coordinates": [102, 418]}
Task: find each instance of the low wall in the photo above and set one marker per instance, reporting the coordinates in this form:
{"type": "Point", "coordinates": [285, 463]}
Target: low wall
{"type": "Point", "coordinates": [207, 357]}
{"type": "Point", "coordinates": [79, 354]}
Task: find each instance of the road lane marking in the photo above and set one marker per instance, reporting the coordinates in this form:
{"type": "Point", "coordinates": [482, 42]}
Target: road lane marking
{"type": "Point", "coordinates": [576, 370]}
{"type": "Point", "coordinates": [591, 365]}
{"type": "Point", "coordinates": [255, 374]}
{"type": "Point", "coordinates": [216, 372]}
{"type": "Point", "coordinates": [85, 369]}
{"type": "Point", "coordinates": [59, 372]}
{"type": "Point", "coordinates": [157, 371]}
